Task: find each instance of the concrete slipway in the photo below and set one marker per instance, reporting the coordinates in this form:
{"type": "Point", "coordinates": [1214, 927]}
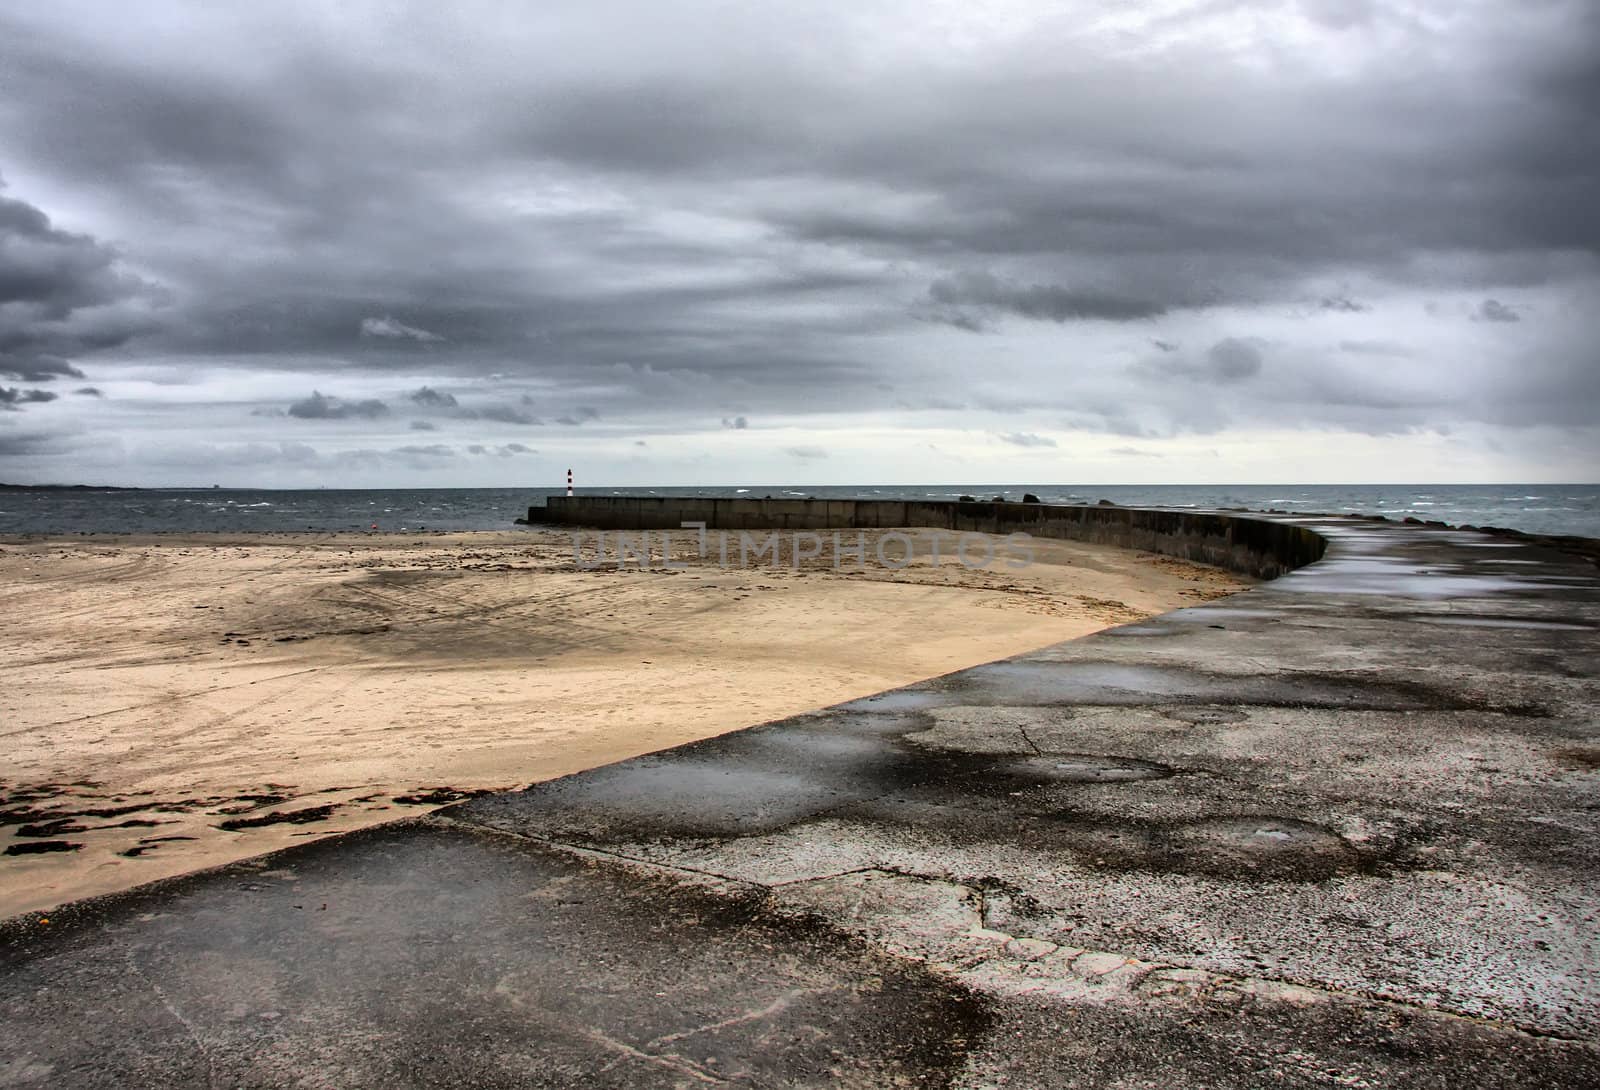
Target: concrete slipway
{"type": "Point", "coordinates": [1339, 830]}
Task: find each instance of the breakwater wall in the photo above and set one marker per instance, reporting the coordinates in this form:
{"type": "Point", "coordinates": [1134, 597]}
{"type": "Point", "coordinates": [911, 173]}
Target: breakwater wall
{"type": "Point", "coordinates": [1253, 545]}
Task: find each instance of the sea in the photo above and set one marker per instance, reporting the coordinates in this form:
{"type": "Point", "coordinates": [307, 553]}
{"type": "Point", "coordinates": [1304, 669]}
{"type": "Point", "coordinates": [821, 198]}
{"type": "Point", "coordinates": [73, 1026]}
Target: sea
{"type": "Point", "coordinates": [1541, 508]}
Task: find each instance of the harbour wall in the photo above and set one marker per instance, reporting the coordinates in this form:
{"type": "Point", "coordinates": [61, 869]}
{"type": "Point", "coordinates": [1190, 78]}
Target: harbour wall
{"type": "Point", "coordinates": [1255, 546]}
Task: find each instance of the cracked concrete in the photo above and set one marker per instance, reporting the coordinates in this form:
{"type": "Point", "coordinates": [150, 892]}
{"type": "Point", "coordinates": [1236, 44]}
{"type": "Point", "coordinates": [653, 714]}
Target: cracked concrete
{"type": "Point", "coordinates": [1339, 830]}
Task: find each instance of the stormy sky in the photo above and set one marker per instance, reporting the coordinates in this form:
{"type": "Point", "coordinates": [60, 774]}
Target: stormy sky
{"type": "Point", "coordinates": [303, 243]}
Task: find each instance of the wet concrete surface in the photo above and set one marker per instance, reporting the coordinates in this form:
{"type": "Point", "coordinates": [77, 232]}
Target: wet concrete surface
{"type": "Point", "coordinates": [1340, 830]}
{"type": "Point", "coordinates": [416, 955]}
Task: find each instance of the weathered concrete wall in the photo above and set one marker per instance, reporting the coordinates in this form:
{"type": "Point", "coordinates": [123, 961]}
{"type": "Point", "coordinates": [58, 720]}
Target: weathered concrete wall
{"type": "Point", "coordinates": [1254, 546]}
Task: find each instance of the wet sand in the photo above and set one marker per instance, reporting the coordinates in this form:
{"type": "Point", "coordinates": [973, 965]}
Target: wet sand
{"type": "Point", "coordinates": [172, 703]}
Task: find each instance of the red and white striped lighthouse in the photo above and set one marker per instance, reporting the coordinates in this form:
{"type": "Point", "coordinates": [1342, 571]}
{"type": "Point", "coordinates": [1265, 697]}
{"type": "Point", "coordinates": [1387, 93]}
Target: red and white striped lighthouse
{"type": "Point", "coordinates": [569, 482]}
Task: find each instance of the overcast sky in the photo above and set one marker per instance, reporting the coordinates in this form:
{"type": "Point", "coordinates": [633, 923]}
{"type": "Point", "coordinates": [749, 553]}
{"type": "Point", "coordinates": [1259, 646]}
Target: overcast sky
{"type": "Point", "coordinates": [304, 243]}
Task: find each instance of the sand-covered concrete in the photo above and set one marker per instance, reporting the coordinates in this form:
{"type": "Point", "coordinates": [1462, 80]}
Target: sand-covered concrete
{"type": "Point", "coordinates": [177, 702]}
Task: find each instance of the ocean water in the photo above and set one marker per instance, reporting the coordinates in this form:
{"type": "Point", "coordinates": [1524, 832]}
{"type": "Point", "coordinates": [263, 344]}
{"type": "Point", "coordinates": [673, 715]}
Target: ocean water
{"type": "Point", "coordinates": [1543, 508]}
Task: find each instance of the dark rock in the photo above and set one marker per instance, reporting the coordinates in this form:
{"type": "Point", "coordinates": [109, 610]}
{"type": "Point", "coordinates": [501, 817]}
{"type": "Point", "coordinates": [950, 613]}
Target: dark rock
{"type": "Point", "coordinates": [279, 817]}
{"type": "Point", "coordinates": [1106, 503]}
{"type": "Point", "coordinates": [966, 499]}
{"type": "Point", "coordinates": [51, 828]}
{"type": "Point", "coordinates": [1029, 497]}
{"type": "Point", "coordinates": [34, 847]}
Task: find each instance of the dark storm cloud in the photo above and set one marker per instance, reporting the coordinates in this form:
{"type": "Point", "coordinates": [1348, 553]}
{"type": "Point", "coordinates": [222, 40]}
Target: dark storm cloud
{"type": "Point", "coordinates": [37, 368]}
{"type": "Point", "coordinates": [13, 398]}
{"type": "Point", "coordinates": [22, 444]}
{"type": "Point", "coordinates": [321, 407]}
{"type": "Point", "coordinates": [433, 399]}
{"type": "Point", "coordinates": [788, 213]}
{"type": "Point", "coordinates": [1234, 360]}
{"type": "Point", "coordinates": [970, 299]}
{"type": "Point", "coordinates": [53, 270]}
{"type": "Point", "coordinates": [1229, 361]}
{"type": "Point", "coordinates": [1341, 305]}
{"type": "Point", "coordinates": [505, 414]}
{"type": "Point", "coordinates": [61, 295]}
{"type": "Point", "coordinates": [1492, 310]}
{"type": "Point", "coordinates": [89, 391]}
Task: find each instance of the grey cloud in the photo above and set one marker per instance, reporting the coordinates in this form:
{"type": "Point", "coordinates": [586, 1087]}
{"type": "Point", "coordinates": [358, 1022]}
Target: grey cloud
{"type": "Point", "coordinates": [35, 442]}
{"type": "Point", "coordinates": [581, 415]}
{"type": "Point", "coordinates": [1492, 310]}
{"type": "Point", "coordinates": [1133, 452]}
{"type": "Point", "coordinates": [1026, 439]}
{"type": "Point", "coordinates": [505, 414]}
{"type": "Point", "coordinates": [299, 456]}
{"type": "Point", "coordinates": [422, 425]}
{"type": "Point", "coordinates": [517, 448]}
{"type": "Point", "coordinates": [433, 399]}
{"type": "Point", "coordinates": [738, 423]}
{"type": "Point", "coordinates": [806, 453]}
{"type": "Point", "coordinates": [54, 270]}
{"type": "Point", "coordinates": [1233, 360]}
{"type": "Point", "coordinates": [1374, 348]}
{"type": "Point", "coordinates": [61, 295]}
{"type": "Point", "coordinates": [89, 391]}
{"type": "Point", "coordinates": [1230, 361]}
{"type": "Point", "coordinates": [36, 368]}
{"type": "Point", "coordinates": [656, 225]}
{"type": "Point", "coordinates": [969, 300]}
{"type": "Point", "coordinates": [14, 397]}
{"type": "Point", "coordinates": [321, 407]}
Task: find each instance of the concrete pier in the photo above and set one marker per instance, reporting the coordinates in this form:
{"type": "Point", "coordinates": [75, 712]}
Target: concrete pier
{"type": "Point", "coordinates": [1253, 546]}
{"type": "Point", "coordinates": [1342, 829]}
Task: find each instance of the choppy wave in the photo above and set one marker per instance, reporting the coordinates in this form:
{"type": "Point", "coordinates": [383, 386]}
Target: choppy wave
{"type": "Point", "coordinates": [1550, 509]}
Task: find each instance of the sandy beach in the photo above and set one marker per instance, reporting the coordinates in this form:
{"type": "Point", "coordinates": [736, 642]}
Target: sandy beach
{"type": "Point", "coordinates": [173, 703]}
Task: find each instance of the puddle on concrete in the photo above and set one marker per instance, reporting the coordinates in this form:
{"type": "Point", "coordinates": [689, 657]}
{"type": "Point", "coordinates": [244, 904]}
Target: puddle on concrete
{"type": "Point", "coordinates": [1253, 847]}
{"type": "Point", "coordinates": [899, 700]}
{"type": "Point", "coordinates": [827, 745]}
{"type": "Point", "coordinates": [1033, 683]}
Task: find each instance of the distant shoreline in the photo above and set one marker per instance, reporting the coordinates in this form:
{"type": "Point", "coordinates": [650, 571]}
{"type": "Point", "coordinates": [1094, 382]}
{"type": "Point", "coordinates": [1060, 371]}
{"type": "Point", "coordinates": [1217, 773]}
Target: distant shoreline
{"type": "Point", "coordinates": [66, 488]}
